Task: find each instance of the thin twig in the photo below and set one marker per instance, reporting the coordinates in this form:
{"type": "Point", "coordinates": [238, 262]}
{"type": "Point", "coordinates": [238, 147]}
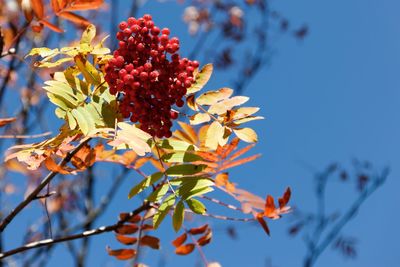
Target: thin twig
{"type": "Point", "coordinates": [85, 234]}
{"type": "Point", "coordinates": [32, 196]}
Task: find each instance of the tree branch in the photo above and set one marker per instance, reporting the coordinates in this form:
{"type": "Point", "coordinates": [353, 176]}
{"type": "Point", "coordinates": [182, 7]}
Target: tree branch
{"type": "Point", "coordinates": [32, 196]}
{"type": "Point", "coordinates": [97, 231]}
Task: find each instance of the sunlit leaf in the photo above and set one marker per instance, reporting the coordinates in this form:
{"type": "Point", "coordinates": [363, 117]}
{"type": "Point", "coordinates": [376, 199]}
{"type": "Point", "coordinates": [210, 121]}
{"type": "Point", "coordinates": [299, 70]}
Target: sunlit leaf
{"type": "Point", "coordinates": [185, 169]}
{"type": "Point", "coordinates": [201, 79]}
{"type": "Point", "coordinates": [246, 134]}
{"type": "Point", "coordinates": [211, 97]}
{"type": "Point", "coordinates": [145, 183]}
{"type": "Point", "coordinates": [199, 118]}
{"type": "Point", "coordinates": [215, 135]}
{"type": "Point", "coordinates": [227, 104]}
{"type": "Point", "coordinates": [163, 210]}
{"type": "Point", "coordinates": [196, 206]}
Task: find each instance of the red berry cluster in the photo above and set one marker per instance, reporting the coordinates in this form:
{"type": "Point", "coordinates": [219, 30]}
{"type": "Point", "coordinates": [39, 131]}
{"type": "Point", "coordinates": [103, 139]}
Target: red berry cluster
{"type": "Point", "coordinates": [148, 70]}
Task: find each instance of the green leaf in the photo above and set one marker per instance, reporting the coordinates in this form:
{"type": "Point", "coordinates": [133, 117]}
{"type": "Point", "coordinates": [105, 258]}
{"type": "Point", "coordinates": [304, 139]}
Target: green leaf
{"type": "Point", "coordinates": [185, 169]}
{"type": "Point", "coordinates": [60, 101]}
{"type": "Point", "coordinates": [177, 145]}
{"type": "Point", "coordinates": [179, 216]}
{"type": "Point", "coordinates": [196, 192]}
{"type": "Point", "coordinates": [190, 179]}
{"type": "Point", "coordinates": [246, 134]}
{"type": "Point", "coordinates": [196, 206]}
{"type": "Point", "coordinates": [159, 193]}
{"type": "Point", "coordinates": [71, 121]}
{"type": "Point", "coordinates": [193, 188]}
{"type": "Point", "coordinates": [180, 156]}
{"type": "Point", "coordinates": [145, 183]}
{"type": "Point", "coordinates": [201, 79]}
{"type": "Point", "coordinates": [163, 210]}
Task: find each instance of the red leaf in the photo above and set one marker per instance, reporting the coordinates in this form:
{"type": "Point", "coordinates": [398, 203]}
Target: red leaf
{"type": "Point", "coordinates": [198, 230]}
{"type": "Point", "coordinates": [79, 20]}
{"type": "Point", "coordinates": [126, 240]}
{"type": "Point", "coordinates": [285, 198]}
{"type": "Point", "coordinates": [38, 8]}
{"type": "Point", "coordinates": [150, 241]}
{"type": "Point", "coordinates": [122, 254]}
{"type": "Point", "coordinates": [5, 121]}
{"type": "Point", "coordinates": [147, 227]}
{"type": "Point", "coordinates": [179, 240]}
{"type": "Point", "coordinates": [263, 223]}
{"type": "Point", "coordinates": [51, 26]}
{"type": "Point", "coordinates": [133, 219]}
{"type": "Point", "coordinates": [231, 164]}
{"type": "Point", "coordinates": [185, 249]}
{"type": "Point", "coordinates": [205, 239]}
{"type": "Point", "coordinates": [127, 229]}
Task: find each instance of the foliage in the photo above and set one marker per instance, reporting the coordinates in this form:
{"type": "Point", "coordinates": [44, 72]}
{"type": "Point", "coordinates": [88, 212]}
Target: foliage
{"type": "Point", "coordinates": [188, 165]}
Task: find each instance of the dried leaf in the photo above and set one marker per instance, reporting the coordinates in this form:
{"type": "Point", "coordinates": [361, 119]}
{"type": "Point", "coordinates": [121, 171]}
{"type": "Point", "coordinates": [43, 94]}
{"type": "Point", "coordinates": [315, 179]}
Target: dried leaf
{"type": "Point", "coordinates": [201, 79]}
{"type": "Point", "coordinates": [38, 8]}
{"type": "Point", "coordinates": [205, 239]}
{"type": "Point", "coordinates": [212, 97]}
{"type": "Point", "coordinates": [263, 223]}
{"type": "Point", "coordinates": [285, 198]}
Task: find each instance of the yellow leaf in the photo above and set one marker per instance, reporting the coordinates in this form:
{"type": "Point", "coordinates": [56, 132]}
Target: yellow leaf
{"type": "Point", "coordinates": [246, 134]}
{"type": "Point", "coordinates": [215, 135]}
{"type": "Point", "coordinates": [227, 104]}
{"type": "Point", "coordinates": [201, 79]}
{"type": "Point", "coordinates": [199, 118]}
{"type": "Point", "coordinates": [212, 97]}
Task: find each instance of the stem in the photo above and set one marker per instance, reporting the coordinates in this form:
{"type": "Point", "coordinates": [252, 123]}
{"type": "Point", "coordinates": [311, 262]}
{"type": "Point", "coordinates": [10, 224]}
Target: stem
{"type": "Point", "coordinates": [32, 196]}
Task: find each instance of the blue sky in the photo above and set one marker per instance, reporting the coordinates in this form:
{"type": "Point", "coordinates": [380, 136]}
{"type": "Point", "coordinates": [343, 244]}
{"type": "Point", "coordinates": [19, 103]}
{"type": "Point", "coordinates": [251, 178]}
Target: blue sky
{"type": "Point", "coordinates": [332, 97]}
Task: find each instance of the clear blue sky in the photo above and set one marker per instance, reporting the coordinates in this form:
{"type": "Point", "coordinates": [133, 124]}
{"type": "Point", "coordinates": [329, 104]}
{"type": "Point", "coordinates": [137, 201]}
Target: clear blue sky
{"type": "Point", "coordinates": [332, 97]}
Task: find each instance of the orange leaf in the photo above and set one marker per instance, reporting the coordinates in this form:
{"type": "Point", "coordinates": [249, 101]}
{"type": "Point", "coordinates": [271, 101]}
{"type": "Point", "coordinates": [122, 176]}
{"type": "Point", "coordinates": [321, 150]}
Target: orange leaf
{"type": "Point", "coordinates": [185, 249]}
{"type": "Point", "coordinates": [84, 5]}
{"type": "Point", "coordinates": [133, 219]}
{"type": "Point", "coordinates": [263, 223]}
{"type": "Point", "coordinates": [231, 164]}
{"type": "Point", "coordinates": [38, 8]}
{"type": "Point", "coordinates": [179, 240]}
{"type": "Point", "coordinates": [150, 241]}
{"type": "Point", "coordinates": [241, 151]}
{"type": "Point", "coordinates": [126, 240]}
{"type": "Point", "coordinates": [285, 198]}
{"type": "Point", "coordinates": [198, 230]}
{"type": "Point", "coordinates": [55, 6]}
{"type": "Point", "coordinates": [208, 156]}
{"type": "Point", "coordinates": [269, 206]}
{"type": "Point", "coordinates": [127, 229]}
{"type": "Point", "coordinates": [79, 20]}
{"type": "Point", "coordinates": [122, 254]}
{"type": "Point", "coordinates": [52, 166]}
{"type": "Point", "coordinates": [51, 26]}
{"type": "Point", "coordinates": [205, 239]}
{"type": "Point", "coordinates": [230, 147]}
{"type": "Point", "coordinates": [221, 179]}
{"type": "Point", "coordinates": [5, 121]}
